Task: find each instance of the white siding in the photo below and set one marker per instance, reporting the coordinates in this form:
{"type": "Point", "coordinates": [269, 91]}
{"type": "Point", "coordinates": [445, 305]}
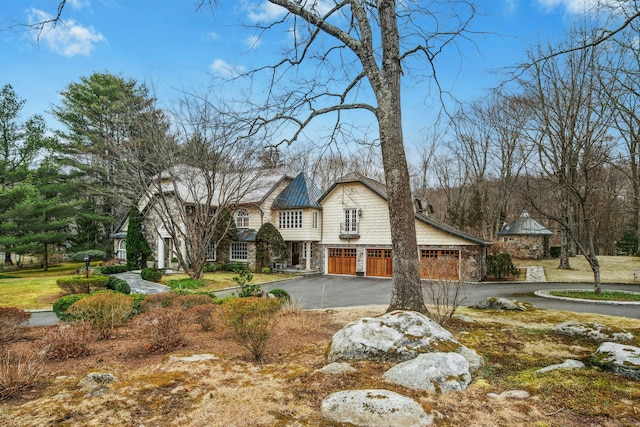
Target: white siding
{"type": "Point", "coordinates": [428, 235]}
{"type": "Point", "coordinates": [307, 232]}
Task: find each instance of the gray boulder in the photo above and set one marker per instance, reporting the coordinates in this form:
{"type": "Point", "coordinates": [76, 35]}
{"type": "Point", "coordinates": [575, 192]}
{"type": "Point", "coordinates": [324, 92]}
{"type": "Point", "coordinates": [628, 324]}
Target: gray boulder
{"type": "Point", "coordinates": [594, 331]}
{"type": "Point", "coordinates": [337, 368]}
{"type": "Point", "coordinates": [435, 372]}
{"type": "Point", "coordinates": [618, 358]}
{"type": "Point", "coordinates": [501, 304]}
{"type": "Point", "coordinates": [397, 336]}
{"type": "Point", "coordinates": [374, 408]}
{"type": "Point", "coordinates": [95, 383]}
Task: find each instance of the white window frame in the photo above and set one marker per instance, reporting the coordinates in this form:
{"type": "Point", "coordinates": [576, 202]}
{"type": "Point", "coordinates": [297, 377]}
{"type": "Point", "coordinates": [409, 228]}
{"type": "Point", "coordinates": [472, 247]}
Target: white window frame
{"type": "Point", "coordinates": [290, 219]}
{"type": "Point", "coordinates": [211, 250]}
{"type": "Point", "coordinates": [350, 223]}
{"type": "Point", "coordinates": [304, 250]}
{"type": "Point", "coordinates": [315, 219]}
{"type": "Point", "coordinates": [238, 251]}
{"type": "Point", "coordinates": [242, 218]}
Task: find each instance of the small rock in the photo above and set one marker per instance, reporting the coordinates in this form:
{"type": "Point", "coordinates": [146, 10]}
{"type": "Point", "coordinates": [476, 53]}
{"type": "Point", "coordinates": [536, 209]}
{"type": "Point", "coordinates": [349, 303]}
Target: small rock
{"type": "Point", "coordinates": [567, 364]}
{"type": "Point", "coordinates": [94, 383]}
{"type": "Point", "coordinates": [464, 318]}
{"type": "Point", "coordinates": [510, 394]}
{"type": "Point", "coordinates": [374, 408]}
{"type": "Point", "coordinates": [337, 368]}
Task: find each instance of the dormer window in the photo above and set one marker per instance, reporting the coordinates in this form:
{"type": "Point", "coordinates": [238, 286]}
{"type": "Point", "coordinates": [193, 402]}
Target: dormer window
{"type": "Point", "coordinates": [242, 218]}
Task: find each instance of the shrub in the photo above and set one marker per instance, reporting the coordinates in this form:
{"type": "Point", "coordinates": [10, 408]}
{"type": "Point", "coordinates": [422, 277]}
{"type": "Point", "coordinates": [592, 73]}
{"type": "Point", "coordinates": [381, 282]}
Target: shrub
{"type": "Point", "coordinates": [151, 274]}
{"type": "Point", "coordinates": [189, 301]}
{"type": "Point", "coordinates": [118, 285]}
{"type": "Point", "coordinates": [205, 316]}
{"type": "Point", "coordinates": [186, 283]}
{"type": "Point", "coordinates": [138, 300]}
{"type": "Point", "coordinates": [62, 304]}
{"type": "Point", "coordinates": [18, 371]}
{"type": "Point", "coordinates": [280, 294]}
{"type": "Point", "coordinates": [164, 329]}
{"type": "Point", "coordinates": [250, 291]}
{"type": "Point", "coordinates": [211, 268]}
{"type": "Point", "coordinates": [500, 265]}
{"type": "Point", "coordinates": [157, 301]}
{"type": "Point", "coordinates": [68, 341]}
{"type": "Point", "coordinates": [92, 253]}
{"type": "Point", "coordinates": [251, 321]}
{"type": "Point", "coordinates": [266, 270]}
{"type": "Point", "coordinates": [82, 285]}
{"type": "Point", "coordinates": [10, 320]}
{"type": "Point", "coordinates": [113, 269]}
{"type": "Point", "coordinates": [554, 251]}
{"type": "Point", "coordinates": [105, 311]}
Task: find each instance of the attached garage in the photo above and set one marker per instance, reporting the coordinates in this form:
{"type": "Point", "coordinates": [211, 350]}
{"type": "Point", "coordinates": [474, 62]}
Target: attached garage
{"type": "Point", "coordinates": [440, 264]}
{"type": "Point", "coordinates": [342, 261]}
{"type": "Point", "coordinates": [379, 263]}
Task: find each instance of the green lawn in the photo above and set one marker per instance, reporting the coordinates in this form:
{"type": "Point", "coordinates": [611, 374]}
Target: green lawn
{"type": "Point", "coordinates": [613, 269]}
{"type": "Point", "coordinates": [31, 289]}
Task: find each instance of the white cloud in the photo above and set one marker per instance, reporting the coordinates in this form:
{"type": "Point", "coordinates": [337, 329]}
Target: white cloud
{"type": "Point", "coordinates": [67, 38]}
{"type": "Point", "coordinates": [253, 42]}
{"type": "Point", "coordinates": [575, 7]}
{"type": "Point", "coordinates": [211, 36]}
{"type": "Point", "coordinates": [78, 4]}
{"type": "Point", "coordinates": [264, 12]}
{"type": "Point", "coordinates": [223, 68]}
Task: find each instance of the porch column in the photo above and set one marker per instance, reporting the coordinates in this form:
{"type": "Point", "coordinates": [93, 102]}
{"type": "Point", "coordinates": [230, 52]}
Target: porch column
{"type": "Point", "coordinates": [160, 252]}
{"type": "Point", "coordinates": [308, 252]}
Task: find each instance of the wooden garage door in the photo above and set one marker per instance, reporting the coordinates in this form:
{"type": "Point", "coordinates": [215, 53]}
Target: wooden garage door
{"type": "Point", "coordinates": [439, 264]}
{"type": "Point", "coordinates": [379, 263]}
{"type": "Point", "coordinates": [342, 261]}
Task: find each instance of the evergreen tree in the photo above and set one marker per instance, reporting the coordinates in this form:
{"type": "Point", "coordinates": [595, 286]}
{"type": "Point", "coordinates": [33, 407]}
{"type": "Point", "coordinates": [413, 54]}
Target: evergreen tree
{"type": "Point", "coordinates": [138, 250]}
{"type": "Point", "coordinates": [269, 244]}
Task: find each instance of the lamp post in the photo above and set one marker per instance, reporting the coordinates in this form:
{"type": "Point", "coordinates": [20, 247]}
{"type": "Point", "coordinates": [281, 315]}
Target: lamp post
{"type": "Point", "coordinates": [86, 265]}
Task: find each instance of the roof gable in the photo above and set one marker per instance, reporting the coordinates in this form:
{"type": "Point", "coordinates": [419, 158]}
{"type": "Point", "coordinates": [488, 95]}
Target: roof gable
{"type": "Point", "coordinates": [300, 193]}
{"type": "Point", "coordinates": [524, 225]}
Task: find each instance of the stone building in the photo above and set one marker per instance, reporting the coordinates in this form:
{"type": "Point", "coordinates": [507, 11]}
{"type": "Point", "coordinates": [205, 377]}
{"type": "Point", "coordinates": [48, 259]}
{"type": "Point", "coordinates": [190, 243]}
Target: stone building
{"type": "Point", "coordinates": [525, 238]}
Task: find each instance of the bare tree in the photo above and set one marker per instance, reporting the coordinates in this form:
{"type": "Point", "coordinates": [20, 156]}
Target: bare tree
{"type": "Point", "coordinates": [358, 51]}
{"type": "Point", "coordinates": [569, 126]}
{"type": "Point", "coordinates": [208, 167]}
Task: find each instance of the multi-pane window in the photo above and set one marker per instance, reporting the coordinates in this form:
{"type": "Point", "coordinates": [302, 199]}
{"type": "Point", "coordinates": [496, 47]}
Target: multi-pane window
{"type": "Point", "coordinates": [238, 251]}
{"type": "Point", "coordinates": [242, 218]}
{"type": "Point", "coordinates": [290, 219]}
{"type": "Point", "coordinates": [210, 252]}
{"type": "Point", "coordinates": [350, 223]}
{"type": "Point", "coordinates": [304, 251]}
{"type": "Point", "coordinates": [315, 219]}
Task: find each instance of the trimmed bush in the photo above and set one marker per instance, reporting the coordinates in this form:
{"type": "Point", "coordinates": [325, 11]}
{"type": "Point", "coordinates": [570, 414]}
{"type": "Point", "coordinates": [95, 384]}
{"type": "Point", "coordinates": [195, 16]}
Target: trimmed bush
{"type": "Point", "coordinates": [118, 285]}
{"type": "Point", "coordinates": [186, 283]}
{"type": "Point", "coordinates": [62, 304]}
{"type": "Point", "coordinates": [113, 269]}
{"type": "Point", "coordinates": [82, 285]}
{"type": "Point", "coordinates": [206, 315]}
{"type": "Point", "coordinates": [18, 371]}
{"type": "Point", "coordinates": [10, 320]}
{"type": "Point", "coordinates": [251, 321]}
{"type": "Point", "coordinates": [92, 253]}
{"type": "Point", "coordinates": [164, 329]}
{"type": "Point", "coordinates": [280, 294]}
{"type": "Point", "coordinates": [189, 301]}
{"type": "Point", "coordinates": [500, 265]}
{"type": "Point", "coordinates": [157, 301]}
{"type": "Point", "coordinates": [106, 311]}
{"type": "Point", "coordinates": [69, 341]}
{"type": "Point", "coordinates": [211, 268]}
{"type": "Point", "coordinates": [138, 300]}
{"type": "Point", "coordinates": [151, 274]}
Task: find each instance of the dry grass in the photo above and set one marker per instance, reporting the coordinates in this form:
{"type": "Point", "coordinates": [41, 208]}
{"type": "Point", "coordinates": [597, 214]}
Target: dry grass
{"type": "Point", "coordinates": [286, 390]}
{"type": "Point", "coordinates": [613, 269]}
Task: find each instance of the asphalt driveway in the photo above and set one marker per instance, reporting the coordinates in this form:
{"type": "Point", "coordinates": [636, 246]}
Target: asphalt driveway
{"type": "Point", "coordinates": [343, 291]}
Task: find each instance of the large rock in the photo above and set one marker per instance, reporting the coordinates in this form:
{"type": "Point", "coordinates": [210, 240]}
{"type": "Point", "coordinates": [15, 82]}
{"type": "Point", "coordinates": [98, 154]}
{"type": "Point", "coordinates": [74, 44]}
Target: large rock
{"type": "Point", "coordinates": [435, 372]}
{"type": "Point", "coordinates": [501, 304]}
{"type": "Point", "coordinates": [397, 336]}
{"type": "Point", "coordinates": [594, 331]}
{"type": "Point", "coordinates": [374, 408]}
{"type": "Point", "coordinates": [621, 359]}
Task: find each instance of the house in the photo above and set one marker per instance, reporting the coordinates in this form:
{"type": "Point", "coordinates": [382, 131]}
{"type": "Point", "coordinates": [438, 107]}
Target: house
{"type": "Point", "coordinates": [525, 238]}
{"type": "Point", "coordinates": [356, 235]}
{"type": "Point", "coordinates": [346, 230]}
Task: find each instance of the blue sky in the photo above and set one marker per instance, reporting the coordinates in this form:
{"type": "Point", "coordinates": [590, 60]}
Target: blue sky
{"type": "Point", "coordinates": [172, 47]}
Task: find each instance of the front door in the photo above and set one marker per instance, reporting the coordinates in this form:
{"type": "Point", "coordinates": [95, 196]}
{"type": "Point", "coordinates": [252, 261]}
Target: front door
{"type": "Point", "coordinates": [295, 253]}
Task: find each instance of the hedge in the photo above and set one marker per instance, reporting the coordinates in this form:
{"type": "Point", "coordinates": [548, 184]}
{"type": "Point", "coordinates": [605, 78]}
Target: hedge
{"type": "Point", "coordinates": [82, 285]}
